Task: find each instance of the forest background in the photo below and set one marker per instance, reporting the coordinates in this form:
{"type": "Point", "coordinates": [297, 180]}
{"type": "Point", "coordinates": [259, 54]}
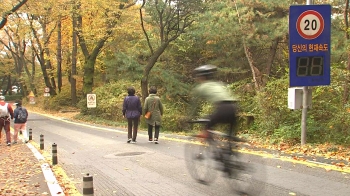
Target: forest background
{"type": "Point", "coordinates": [77, 47]}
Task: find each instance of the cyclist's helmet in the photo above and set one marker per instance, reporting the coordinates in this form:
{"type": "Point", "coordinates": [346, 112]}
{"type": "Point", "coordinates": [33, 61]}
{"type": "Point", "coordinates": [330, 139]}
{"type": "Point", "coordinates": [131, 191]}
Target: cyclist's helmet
{"type": "Point", "coordinates": [2, 97]}
{"type": "Point", "coordinates": [205, 70]}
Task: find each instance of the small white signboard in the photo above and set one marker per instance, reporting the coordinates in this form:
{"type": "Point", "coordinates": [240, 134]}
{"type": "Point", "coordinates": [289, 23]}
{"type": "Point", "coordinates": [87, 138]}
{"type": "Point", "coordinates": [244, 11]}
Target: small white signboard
{"type": "Point", "coordinates": [31, 100]}
{"type": "Point", "coordinates": [91, 100]}
{"type": "Point", "coordinates": [46, 94]}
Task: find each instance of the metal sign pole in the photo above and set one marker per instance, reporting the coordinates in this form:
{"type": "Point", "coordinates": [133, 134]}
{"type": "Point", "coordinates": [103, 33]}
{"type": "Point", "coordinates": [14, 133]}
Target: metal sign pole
{"type": "Point", "coordinates": [305, 105]}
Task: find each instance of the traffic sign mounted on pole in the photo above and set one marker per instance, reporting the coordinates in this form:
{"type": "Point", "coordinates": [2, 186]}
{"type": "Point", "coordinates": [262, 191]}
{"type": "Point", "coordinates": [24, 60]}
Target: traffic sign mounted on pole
{"type": "Point", "coordinates": [309, 45]}
{"type": "Point", "coordinates": [91, 100]}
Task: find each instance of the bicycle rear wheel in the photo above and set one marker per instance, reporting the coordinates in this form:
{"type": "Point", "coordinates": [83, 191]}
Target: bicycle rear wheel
{"type": "Point", "coordinates": [200, 161]}
{"type": "Point", "coordinates": [245, 178]}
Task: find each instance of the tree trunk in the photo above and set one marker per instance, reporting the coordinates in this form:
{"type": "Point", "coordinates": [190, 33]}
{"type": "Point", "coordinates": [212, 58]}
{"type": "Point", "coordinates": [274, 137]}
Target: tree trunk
{"type": "Point", "coordinates": [51, 80]}
{"type": "Point", "coordinates": [88, 80]}
{"type": "Point", "coordinates": [272, 55]}
{"type": "Point", "coordinates": [257, 76]}
{"type": "Point", "coordinates": [59, 55]}
{"type": "Point", "coordinates": [144, 88]}
{"type": "Point", "coordinates": [14, 9]}
{"type": "Point", "coordinates": [32, 85]}
{"type": "Point", "coordinates": [73, 81]}
{"type": "Point", "coordinates": [9, 85]}
{"type": "Point", "coordinates": [347, 77]}
{"type": "Point", "coordinates": [150, 64]}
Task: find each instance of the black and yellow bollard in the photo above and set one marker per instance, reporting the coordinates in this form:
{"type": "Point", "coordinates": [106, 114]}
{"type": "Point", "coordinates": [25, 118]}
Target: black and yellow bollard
{"type": "Point", "coordinates": [41, 142]}
{"type": "Point", "coordinates": [30, 134]}
{"type": "Point", "coordinates": [88, 185]}
{"type": "Point", "coordinates": [54, 154]}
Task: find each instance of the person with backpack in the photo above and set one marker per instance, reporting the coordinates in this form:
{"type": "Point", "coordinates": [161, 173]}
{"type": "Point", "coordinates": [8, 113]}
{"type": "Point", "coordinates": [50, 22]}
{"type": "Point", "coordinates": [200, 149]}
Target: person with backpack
{"type": "Point", "coordinates": [6, 115]}
{"type": "Point", "coordinates": [20, 123]}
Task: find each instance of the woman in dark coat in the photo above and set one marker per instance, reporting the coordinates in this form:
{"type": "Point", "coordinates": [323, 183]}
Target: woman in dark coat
{"type": "Point", "coordinates": [132, 110]}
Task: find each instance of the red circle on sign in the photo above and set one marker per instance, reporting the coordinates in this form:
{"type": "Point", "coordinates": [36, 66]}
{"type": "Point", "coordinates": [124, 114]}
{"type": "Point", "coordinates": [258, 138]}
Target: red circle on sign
{"type": "Point", "coordinates": [320, 30]}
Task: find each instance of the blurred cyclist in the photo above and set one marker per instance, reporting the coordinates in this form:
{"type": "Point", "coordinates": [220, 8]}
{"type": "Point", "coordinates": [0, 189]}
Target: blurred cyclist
{"type": "Point", "coordinates": [215, 93]}
{"type": "Point", "coordinates": [225, 108]}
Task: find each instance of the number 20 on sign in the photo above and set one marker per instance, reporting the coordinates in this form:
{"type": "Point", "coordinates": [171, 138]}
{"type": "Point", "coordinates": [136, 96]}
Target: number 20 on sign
{"type": "Point", "coordinates": [309, 45]}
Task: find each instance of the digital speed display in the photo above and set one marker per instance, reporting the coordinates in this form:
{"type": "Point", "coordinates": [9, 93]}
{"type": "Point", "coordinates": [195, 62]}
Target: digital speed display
{"type": "Point", "coordinates": [309, 66]}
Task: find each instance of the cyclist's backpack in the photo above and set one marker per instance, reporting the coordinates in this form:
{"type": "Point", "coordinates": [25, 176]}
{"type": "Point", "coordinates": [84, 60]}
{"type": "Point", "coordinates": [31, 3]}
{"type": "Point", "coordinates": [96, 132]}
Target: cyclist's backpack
{"type": "Point", "coordinates": [3, 110]}
{"type": "Point", "coordinates": [22, 115]}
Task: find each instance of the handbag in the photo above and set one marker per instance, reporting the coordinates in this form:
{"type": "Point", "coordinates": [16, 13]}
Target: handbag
{"type": "Point", "coordinates": [149, 113]}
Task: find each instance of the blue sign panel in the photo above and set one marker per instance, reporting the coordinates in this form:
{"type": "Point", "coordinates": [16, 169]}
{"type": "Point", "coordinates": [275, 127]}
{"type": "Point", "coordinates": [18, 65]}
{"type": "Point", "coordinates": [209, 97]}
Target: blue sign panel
{"type": "Point", "coordinates": [309, 45]}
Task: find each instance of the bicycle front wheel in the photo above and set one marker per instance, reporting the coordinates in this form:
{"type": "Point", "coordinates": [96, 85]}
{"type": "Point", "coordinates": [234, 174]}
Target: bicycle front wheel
{"type": "Point", "coordinates": [200, 161]}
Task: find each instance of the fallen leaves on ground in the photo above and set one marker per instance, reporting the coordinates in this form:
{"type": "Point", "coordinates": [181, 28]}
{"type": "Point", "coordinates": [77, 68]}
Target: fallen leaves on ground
{"type": "Point", "coordinates": [19, 171]}
{"type": "Point", "coordinates": [338, 153]}
{"type": "Point", "coordinates": [67, 185]}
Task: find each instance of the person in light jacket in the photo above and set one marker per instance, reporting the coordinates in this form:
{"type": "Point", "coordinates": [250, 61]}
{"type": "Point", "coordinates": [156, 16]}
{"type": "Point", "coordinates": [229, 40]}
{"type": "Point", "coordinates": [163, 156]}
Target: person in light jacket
{"type": "Point", "coordinates": [153, 105]}
{"type": "Point", "coordinates": [132, 110]}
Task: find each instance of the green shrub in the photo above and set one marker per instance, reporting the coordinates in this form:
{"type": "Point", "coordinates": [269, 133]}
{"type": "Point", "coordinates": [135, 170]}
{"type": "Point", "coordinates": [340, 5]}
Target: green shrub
{"type": "Point", "coordinates": [109, 100]}
{"type": "Point", "coordinates": [327, 120]}
{"type": "Point", "coordinates": [59, 101]}
{"type": "Point", "coordinates": [13, 97]}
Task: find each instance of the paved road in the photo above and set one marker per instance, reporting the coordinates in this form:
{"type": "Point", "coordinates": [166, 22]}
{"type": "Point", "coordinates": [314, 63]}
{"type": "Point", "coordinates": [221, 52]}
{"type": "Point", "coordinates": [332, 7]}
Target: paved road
{"type": "Point", "coordinates": [145, 168]}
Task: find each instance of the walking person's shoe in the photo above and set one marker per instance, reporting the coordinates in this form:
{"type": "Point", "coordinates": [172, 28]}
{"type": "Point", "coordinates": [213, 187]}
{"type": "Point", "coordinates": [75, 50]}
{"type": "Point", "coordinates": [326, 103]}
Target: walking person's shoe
{"type": "Point", "coordinates": [8, 143]}
{"type": "Point", "coordinates": [129, 140]}
{"type": "Point", "coordinates": [150, 140]}
{"type": "Point", "coordinates": [15, 142]}
{"type": "Point", "coordinates": [156, 140]}
{"type": "Point", "coordinates": [133, 141]}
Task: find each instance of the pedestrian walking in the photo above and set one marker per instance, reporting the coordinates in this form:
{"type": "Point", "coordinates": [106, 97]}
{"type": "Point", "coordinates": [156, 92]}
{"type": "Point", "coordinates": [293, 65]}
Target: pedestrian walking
{"type": "Point", "coordinates": [6, 115]}
{"type": "Point", "coordinates": [20, 122]}
{"type": "Point", "coordinates": [132, 110]}
{"type": "Point", "coordinates": [155, 107]}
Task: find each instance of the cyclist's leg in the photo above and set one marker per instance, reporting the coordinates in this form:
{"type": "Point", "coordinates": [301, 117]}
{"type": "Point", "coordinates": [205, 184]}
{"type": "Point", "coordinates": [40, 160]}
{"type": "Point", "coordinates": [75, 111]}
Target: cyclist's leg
{"type": "Point", "coordinates": [225, 113]}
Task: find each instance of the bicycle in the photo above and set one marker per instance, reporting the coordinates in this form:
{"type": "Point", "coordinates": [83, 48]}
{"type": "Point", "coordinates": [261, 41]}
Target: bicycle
{"type": "Point", "coordinates": [217, 151]}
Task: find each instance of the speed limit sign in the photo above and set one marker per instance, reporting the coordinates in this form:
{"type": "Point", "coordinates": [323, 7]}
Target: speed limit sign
{"type": "Point", "coordinates": [310, 24]}
{"type": "Point", "coordinates": [47, 90]}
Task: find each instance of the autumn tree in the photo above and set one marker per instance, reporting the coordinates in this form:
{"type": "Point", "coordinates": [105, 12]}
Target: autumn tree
{"type": "Point", "coordinates": [42, 18]}
{"type": "Point", "coordinates": [93, 34]}
{"type": "Point", "coordinates": [17, 47]}
{"type": "Point", "coordinates": [169, 19]}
